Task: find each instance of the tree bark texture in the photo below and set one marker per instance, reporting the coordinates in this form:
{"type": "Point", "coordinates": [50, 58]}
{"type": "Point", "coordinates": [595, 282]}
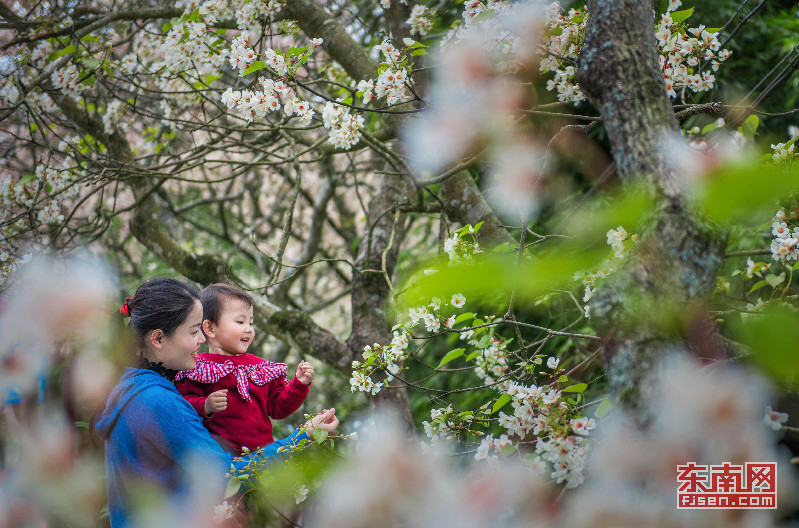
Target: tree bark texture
{"type": "Point", "coordinates": [371, 294]}
{"type": "Point", "coordinates": [676, 262]}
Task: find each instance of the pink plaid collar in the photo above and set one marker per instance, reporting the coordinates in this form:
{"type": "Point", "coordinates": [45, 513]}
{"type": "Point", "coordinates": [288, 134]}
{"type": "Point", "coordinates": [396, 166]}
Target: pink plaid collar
{"type": "Point", "coordinates": [210, 372]}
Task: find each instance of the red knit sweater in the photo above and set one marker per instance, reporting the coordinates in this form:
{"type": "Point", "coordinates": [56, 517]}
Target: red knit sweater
{"type": "Point", "coordinates": [243, 423]}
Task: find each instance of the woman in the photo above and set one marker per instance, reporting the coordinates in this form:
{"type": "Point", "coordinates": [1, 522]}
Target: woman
{"type": "Point", "coordinates": [153, 437]}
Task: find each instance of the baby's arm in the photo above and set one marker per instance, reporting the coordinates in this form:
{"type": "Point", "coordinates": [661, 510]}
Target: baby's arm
{"type": "Point", "coordinates": [283, 398]}
{"type": "Point", "coordinates": [192, 392]}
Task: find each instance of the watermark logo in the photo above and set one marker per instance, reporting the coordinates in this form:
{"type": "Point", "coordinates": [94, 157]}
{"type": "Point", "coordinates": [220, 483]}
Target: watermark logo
{"type": "Point", "coordinates": [727, 486]}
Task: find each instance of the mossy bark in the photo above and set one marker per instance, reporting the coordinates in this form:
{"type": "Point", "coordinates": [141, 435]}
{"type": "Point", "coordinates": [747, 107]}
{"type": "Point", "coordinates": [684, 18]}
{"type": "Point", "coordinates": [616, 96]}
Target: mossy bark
{"type": "Point", "coordinates": [641, 311]}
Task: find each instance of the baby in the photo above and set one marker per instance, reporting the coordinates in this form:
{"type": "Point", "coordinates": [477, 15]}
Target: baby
{"type": "Point", "coordinates": [236, 393]}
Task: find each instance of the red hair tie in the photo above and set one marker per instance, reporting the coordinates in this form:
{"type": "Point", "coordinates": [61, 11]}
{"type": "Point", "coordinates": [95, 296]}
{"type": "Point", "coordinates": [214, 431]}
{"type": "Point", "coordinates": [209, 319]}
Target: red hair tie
{"type": "Point", "coordinates": [125, 310]}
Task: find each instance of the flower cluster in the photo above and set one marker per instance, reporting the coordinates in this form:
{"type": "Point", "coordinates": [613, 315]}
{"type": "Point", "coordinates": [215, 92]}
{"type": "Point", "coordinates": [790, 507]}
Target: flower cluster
{"type": "Point", "coordinates": [250, 13]}
{"type": "Point", "coordinates": [113, 117]}
{"type": "Point", "coordinates": [488, 444]}
{"type": "Point", "coordinates": [187, 45]}
{"type": "Point", "coordinates": [378, 357]}
{"type": "Point", "coordinates": [421, 19]}
{"type": "Point", "coordinates": [562, 40]}
{"type": "Point", "coordinates": [241, 54]}
{"type": "Point", "coordinates": [462, 246]}
{"type": "Point", "coordinates": [620, 242]}
{"type": "Point", "coordinates": [616, 238]}
{"type": "Point", "coordinates": [473, 8]}
{"type": "Point", "coordinates": [683, 52]}
{"type": "Point", "coordinates": [784, 152]}
{"type": "Point", "coordinates": [345, 128]}
{"type": "Point", "coordinates": [258, 103]}
{"type": "Point", "coordinates": [67, 79]}
{"type": "Point", "coordinates": [492, 360]}
{"type": "Point", "coordinates": [784, 244]}
{"type": "Point", "coordinates": [545, 413]}
{"type": "Point", "coordinates": [430, 316]}
{"type": "Point", "coordinates": [441, 425]}
{"type": "Point", "coordinates": [392, 83]}
{"type": "Point", "coordinates": [130, 64]}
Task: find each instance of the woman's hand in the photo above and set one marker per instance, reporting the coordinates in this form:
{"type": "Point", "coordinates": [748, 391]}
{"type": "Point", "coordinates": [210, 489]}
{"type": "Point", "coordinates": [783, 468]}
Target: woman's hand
{"type": "Point", "coordinates": [325, 420]}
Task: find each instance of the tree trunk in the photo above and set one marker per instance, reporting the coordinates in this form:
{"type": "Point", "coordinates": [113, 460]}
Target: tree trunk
{"type": "Point", "coordinates": [371, 295]}
{"type": "Point", "coordinates": [675, 264]}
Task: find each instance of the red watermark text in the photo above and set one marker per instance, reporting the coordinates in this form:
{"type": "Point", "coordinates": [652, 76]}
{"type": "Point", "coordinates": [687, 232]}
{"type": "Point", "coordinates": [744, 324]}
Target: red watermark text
{"type": "Point", "coordinates": [752, 485]}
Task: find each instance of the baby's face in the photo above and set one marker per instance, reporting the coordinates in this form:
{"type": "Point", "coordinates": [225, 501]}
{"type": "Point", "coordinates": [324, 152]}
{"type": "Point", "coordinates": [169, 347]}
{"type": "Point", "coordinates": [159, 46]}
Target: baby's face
{"type": "Point", "coordinates": [235, 330]}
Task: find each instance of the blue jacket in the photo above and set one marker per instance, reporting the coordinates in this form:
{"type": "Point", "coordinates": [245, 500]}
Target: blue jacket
{"type": "Point", "coordinates": [152, 434]}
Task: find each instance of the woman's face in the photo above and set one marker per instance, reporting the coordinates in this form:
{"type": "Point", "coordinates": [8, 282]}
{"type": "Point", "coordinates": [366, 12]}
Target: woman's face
{"type": "Point", "coordinates": [178, 351]}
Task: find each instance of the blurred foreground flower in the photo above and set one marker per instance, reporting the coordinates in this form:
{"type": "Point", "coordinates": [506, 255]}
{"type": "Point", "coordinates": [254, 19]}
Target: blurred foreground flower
{"type": "Point", "coordinates": [51, 300]}
{"type": "Point", "coordinates": [705, 415]}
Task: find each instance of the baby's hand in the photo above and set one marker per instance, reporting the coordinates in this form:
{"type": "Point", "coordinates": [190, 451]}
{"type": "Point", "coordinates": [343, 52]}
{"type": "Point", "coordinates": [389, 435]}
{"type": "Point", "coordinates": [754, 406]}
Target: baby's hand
{"type": "Point", "coordinates": [305, 372]}
{"type": "Point", "coordinates": [216, 401]}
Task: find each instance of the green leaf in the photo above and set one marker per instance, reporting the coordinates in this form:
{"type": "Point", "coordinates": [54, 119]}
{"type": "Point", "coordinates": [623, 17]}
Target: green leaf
{"type": "Point", "coordinates": [90, 62]}
{"type": "Point", "coordinates": [48, 188]}
{"type": "Point", "coordinates": [500, 403]}
{"type": "Point", "coordinates": [166, 27]}
{"type": "Point", "coordinates": [758, 285]}
{"type": "Point", "coordinates": [749, 126]}
{"type": "Point", "coordinates": [90, 38]}
{"type": "Point", "coordinates": [233, 486]}
{"type": "Point", "coordinates": [740, 192]}
{"type": "Point", "coordinates": [33, 127]}
{"type": "Point", "coordinates": [681, 16]}
{"type": "Point", "coordinates": [708, 128]}
{"type": "Point", "coordinates": [473, 355]}
{"type": "Point", "coordinates": [221, 31]}
{"type": "Point", "coordinates": [772, 337]}
{"type": "Point", "coordinates": [320, 435]}
{"type": "Point", "coordinates": [416, 53]}
{"type": "Point", "coordinates": [297, 51]}
{"type": "Point", "coordinates": [775, 280]}
{"type": "Point", "coordinates": [453, 354]}
{"type": "Point", "coordinates": [66, 51]}
{"type": "Point", "coordinates": [577, 387]}
{"type": "Point", "coordinates": [27, 178]}
{"type": "Point", "coordinates": [603, 408]}
{"type": "Point", "coordinates": [712, 30]}
{"type": "Point", "coordinates": [462, 317]}
{"type": "Point", "coordinates": [563, 378]}
{"type": "Point", "coordinates": [488, 13]}
{"type": "Point", "coordinates": [211, 78]}
{"type": "Point", "coordinates": [254, 67]}
{"type": "Point", "coordinates": [195, 15]}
